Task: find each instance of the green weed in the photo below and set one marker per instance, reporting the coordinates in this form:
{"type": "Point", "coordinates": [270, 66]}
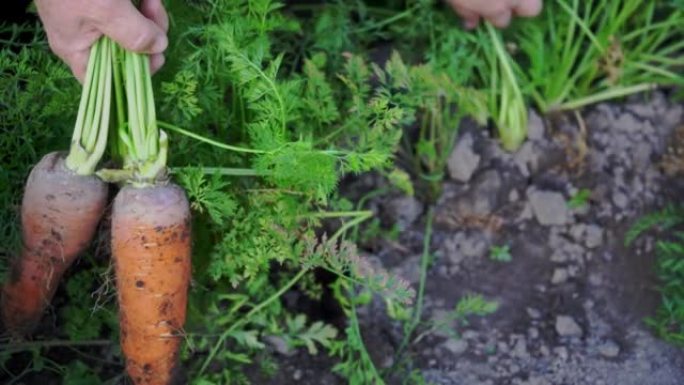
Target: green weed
{"type": "Point", "coordinates": [500, 253]}
{"type": "Point", "coordinates": [668, 322]}
{"type": "Point", "coordinates": [579, 53]}
{"type": "Point", "coordinates": [580, 199]}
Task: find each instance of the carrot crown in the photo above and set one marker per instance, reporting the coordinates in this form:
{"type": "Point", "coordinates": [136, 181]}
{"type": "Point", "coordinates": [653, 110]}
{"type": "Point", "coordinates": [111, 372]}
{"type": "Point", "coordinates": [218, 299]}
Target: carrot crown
{"type": "Point", "coordinates": [139, 142]}
{"type": "Point", "coordinates": [92, 122]}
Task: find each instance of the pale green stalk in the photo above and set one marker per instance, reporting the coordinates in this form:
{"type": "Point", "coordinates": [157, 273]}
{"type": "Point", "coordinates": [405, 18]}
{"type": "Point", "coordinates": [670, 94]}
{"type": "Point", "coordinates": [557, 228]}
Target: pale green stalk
{"type": "Point", "coordinates": [209, 141]}
{"type": "Point", "coordinates": [92, 95]}
{"type": "Point", "coordinates": [512, 111]}
{"type": "Point", "coordinates": [598, 97]}
{"type": "Point", "coordinates": [143, 146]}
{"type": "Point", "coordinates": [92, 123]}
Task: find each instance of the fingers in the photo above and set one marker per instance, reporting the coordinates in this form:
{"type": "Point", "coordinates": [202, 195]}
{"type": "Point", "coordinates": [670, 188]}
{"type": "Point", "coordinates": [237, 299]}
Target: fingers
{"type": "Point", "coordinates": [528, 8]}
{"type": "Point", "coordinates": [499, 12]}
{"type": "Point", "coordinates": [122, 22]}
{"type": "Point", "coordinates": [471, 23]}
{"type": "Point", "coordinates": [470, 19]}
{"type": "Point", "coordinates": [155, 11]}
{"type": "Point", "coordinates": [501, 19]}
{"type": "Point", "coordinates": [77, 62]}
{"type": "Point", "coordinates": [156, 62]}
{"type": "Point", "coordinates": [75, 53]}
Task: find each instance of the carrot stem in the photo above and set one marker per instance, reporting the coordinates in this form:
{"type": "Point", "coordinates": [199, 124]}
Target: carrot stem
{"type": "Point", "coordinates": [92, 122]}
{"type": "Point", "coordinates": [117, 147]}
{"type": "Point", "coordinates": [142, 145]}
{"type": "Point", "coordinates": [212, 142]}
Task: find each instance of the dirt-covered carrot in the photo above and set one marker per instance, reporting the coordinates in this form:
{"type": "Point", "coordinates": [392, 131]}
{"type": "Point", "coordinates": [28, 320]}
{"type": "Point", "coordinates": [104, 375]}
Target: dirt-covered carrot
{"type": "Point", "coordinates": [151, 247]}
{"type": "Point", "coordinates": [62, 204]}
{"type": "Point", "coordinates": [150, 235]}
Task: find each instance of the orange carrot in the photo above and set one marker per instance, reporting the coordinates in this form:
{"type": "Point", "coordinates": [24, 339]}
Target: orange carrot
{"type": "Point", "coordinates": [59, 214]}
{"type": "Point", "coordinates": [151, 250]}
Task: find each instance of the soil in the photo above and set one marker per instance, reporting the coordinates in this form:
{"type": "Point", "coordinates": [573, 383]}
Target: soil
{"type": "Point", "coordinates": [573, 298]}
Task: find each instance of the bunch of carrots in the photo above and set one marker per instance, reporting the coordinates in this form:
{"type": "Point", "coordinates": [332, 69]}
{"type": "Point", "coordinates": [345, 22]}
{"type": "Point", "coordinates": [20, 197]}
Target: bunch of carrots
{"type": "Point", "coordinates": [65, 199]}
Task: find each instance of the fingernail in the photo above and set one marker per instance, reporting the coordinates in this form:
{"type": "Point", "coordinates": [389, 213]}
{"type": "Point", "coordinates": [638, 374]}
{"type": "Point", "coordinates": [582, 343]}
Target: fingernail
{"type": "Point", "coordinates": [469, 24]}
{"type": "Point", "coordinates": [160, 44]}
{"type": "Point", "coordinates": [157, 62]}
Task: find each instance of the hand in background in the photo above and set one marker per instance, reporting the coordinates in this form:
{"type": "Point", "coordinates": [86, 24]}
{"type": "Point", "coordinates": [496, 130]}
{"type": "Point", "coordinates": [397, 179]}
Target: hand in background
{"type": "Point", "coordinates": [497, 12]}
{"type": "Point", "coordinates": [72, 26]}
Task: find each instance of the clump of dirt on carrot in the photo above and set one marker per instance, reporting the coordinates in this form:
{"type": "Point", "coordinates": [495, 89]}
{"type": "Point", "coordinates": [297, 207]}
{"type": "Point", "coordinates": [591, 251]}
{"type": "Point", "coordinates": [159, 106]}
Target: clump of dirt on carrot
{"type": "Point", "coordinates": [62, 204]}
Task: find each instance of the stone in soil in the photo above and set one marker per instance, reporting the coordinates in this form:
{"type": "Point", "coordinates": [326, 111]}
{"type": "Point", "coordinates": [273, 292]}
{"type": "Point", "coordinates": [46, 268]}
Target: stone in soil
{"type": "Point", "coordinates": [620, 200]}
{"type": "Point", "coordinates": [463, 246]}
{"type": "Point", "coordinates": [527, 158]}
{"type": "Point", "coordinates": [279, 345]}
{"type": "Point", "coordinates": [566, 326]}
{"type": "Point", "coordinates": [404, 211]}
{"type": "Point", "coordinates": [520, 348]}
{"type": "Point", "coordinates": [550, 208]}
{"type": "Point", "coordinates": [593, 236]}
{"type": "Point", "coordinates": [482, 198]}
{"type": "Point", "coordinates": [609, 349]}
{"type": "Point", "coordinates": [590, 235]}
{"type": "Point", "coordinates": [463, 160]}
{"type": "Point", "coordinates": [456, 346]}
{"type": "Point", "coordinates": [560, 275]}
{"type": "Point", "coordinates": [533, 313]}
{"type": "Point", "coordinates": [535, 126]}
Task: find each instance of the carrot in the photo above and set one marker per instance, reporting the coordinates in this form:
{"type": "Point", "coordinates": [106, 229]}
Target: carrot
{"type": "Point", "coordinates": [62, 204]}
{"type": "Point", "coordinates": [150, 232]}
{"type": "Point", "coordinates": [151, 250]}
{"type": "Point", "coordinates": [59, 213]}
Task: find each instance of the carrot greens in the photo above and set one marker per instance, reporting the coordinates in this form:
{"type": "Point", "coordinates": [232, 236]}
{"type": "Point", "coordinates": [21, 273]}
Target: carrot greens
{"type": "Point", "coordinates": [89, 140]}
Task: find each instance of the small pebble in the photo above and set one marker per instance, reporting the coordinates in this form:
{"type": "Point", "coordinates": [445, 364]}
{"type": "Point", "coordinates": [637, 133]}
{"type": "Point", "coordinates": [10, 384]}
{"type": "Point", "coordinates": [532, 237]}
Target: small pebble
{"type": "Point", "coordinates": [609, 349]}
{"type": "Point", "coordinates": [456, 346]}
{"type": "Point", "coordinates": [533, 313]}
{"type": "Point", "coordinates": [595, 279]}
{"type": "Point", "coordinates": [533, 333]}
{"type": "Point", "coordinates": [561, 352]}
{"type": "Point", "coordinates": [560, 275]}
{"type": "Point", "coordinates": [620, 200]}
{"type": "Point", "coordinates": [566, 326]}
{"type": "Point", "coordinates": [593, 236]}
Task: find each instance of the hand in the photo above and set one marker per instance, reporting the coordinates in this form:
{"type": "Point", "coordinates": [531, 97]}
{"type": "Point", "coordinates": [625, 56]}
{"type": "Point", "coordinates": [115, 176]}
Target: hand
{"type": "Point", "coordinates": [497, 12]}
{"type": "Point", "coordinates": [72, 26]}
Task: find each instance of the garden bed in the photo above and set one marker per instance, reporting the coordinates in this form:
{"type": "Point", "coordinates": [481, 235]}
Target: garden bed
{"type": "Point", "coordinates": [573, 298]}
{"type": "Point", "coordinates": [375, 201]}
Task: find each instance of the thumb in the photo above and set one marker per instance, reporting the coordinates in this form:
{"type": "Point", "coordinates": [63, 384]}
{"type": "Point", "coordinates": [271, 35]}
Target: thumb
{"type": "Point", "coordinates": [123, 23]}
